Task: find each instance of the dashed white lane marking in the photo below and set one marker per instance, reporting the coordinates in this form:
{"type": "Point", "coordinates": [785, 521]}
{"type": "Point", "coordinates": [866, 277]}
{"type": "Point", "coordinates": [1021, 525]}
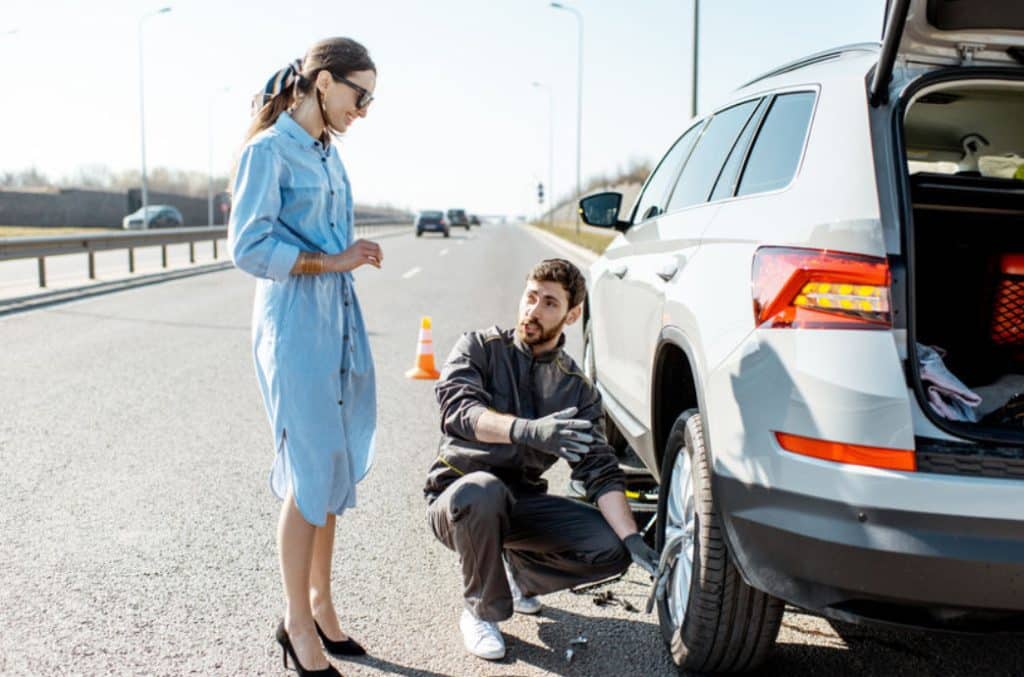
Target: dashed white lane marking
{"type": "Point", "coordinates": [443, 252]}
{"type": "Point", "coordinates": [409, 273]}
{"type": "Point", "coordinates": [460, 243]}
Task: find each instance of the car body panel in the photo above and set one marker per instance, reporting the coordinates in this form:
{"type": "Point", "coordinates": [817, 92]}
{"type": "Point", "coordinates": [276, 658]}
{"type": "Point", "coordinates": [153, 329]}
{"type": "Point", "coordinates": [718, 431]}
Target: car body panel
{"type": "Point", "coordinates": [946, 33]}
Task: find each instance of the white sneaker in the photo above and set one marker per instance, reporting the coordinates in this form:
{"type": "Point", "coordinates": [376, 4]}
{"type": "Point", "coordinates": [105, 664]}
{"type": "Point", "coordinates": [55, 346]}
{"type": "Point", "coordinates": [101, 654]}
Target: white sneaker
{"type": "Point", "coordinates": [481, 638]}
{"type": "Point", "coordinates": [520, 603]}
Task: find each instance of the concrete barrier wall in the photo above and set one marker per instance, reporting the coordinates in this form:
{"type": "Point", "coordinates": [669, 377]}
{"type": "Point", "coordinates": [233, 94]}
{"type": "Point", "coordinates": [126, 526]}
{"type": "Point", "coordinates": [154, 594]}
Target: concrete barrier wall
{"type": "Point", "coordinates": [84, 208]}
{"type": "Point", "coordinates": [93, 208]}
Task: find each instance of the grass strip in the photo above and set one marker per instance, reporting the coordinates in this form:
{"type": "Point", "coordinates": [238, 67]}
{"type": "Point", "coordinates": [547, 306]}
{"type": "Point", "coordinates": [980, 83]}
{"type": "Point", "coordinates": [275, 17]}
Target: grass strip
{"type": "Point", "coordinates": [42, 231]}
{"type": "Point", "coordinates": [594, 241]}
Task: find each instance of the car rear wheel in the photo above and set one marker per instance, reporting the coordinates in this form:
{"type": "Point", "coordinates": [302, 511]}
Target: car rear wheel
{"type": "Point", "coordinates": [419, 233]}
{"type": "Point", "coordinates": [711, 620]}
{"type": "Point", "coordinates": [446, 233]}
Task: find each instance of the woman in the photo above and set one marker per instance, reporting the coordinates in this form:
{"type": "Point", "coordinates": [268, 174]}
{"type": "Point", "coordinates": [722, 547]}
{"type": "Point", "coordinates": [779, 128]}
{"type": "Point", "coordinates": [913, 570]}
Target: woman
{"type": "Point", "coordinates": [291, 226]}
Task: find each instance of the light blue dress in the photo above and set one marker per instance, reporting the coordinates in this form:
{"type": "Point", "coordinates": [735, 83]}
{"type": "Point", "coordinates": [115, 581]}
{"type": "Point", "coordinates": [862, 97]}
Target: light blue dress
{"type": "Point", "coordinates": [312, 353]}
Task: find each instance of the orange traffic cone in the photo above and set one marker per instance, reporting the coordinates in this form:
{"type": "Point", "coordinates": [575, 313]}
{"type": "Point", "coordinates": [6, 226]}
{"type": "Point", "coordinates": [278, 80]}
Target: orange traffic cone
{"type": "Point", "coordinates": [424, 368]}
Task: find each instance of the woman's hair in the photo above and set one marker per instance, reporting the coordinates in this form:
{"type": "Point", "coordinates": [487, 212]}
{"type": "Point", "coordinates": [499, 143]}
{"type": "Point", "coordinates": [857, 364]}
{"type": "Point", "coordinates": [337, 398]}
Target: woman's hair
{"type": "Point", "coordinates": [339, 56]}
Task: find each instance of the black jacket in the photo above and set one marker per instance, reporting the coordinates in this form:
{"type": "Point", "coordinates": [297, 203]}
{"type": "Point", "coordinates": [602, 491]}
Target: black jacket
{"type": "Point", "coordinates": [493, 369]}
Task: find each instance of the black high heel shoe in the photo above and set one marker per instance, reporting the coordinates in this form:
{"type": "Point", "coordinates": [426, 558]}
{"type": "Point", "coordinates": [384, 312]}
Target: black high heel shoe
{"type": "Point", "coordinates": [349, 647]}
{"type": "Point", "coordinates": [287, 649]}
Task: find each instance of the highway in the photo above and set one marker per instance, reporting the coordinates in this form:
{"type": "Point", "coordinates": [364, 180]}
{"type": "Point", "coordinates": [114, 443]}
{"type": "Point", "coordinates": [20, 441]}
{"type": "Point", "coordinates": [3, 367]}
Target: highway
{"type": "Point", "coordinates": [137, 528]}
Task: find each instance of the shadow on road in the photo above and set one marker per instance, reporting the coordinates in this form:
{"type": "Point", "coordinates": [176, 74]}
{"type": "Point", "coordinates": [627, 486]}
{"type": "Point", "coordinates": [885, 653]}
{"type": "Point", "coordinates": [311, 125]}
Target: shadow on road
{"type": "Point", "coordinates": [865, 650]}
{"type": "Point", "coordinates": [613, 645]}
{"type": "Point", "coordinates": [389, 668]}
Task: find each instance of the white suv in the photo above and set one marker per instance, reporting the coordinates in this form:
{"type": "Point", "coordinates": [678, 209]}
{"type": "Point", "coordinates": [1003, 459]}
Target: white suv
{"type": "Point", "coordinates": [754, 331]}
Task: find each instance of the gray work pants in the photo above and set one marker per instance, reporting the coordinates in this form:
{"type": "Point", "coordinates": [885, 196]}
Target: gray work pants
{"type": "Point", "coordinates": [551, 543]}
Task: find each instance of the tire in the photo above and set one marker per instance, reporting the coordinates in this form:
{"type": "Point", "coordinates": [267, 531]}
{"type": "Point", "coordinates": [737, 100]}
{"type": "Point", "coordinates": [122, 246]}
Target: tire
{"type": "Point", "coordinates": [446, 233]}
{"type": "Point", "coordinates": [611, 431]}
{"type": "Point", "coordinates": [712, 621]}
{"type": "Point", "coordinates": [419, 233]}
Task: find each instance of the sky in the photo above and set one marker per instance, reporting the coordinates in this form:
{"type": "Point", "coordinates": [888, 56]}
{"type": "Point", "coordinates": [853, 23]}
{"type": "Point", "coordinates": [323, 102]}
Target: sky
{"type": "Point", "coordinates": [456, 121]}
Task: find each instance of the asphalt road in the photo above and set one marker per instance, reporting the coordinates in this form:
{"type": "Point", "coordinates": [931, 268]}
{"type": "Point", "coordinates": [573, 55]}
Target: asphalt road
{"type": "Point", "coordinates": [137, 530]}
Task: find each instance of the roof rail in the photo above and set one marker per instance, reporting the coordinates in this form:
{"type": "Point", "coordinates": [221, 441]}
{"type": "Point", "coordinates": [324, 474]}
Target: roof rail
{"type": "Point", "coordinates": [833, 53]}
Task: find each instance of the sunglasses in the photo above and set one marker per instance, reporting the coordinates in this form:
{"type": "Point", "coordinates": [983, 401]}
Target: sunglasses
{"type": "Point", "coordinates": [365, 95]}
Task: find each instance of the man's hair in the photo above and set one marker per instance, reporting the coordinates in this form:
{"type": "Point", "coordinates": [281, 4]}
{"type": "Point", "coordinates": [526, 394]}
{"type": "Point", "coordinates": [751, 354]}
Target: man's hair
{"type": "Point", "coordinates": [564, 273]}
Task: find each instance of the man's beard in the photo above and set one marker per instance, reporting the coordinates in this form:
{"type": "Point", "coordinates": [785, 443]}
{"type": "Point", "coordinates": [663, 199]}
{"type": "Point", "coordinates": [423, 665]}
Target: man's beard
{"type": "Point", "coordinates": [544, 336]}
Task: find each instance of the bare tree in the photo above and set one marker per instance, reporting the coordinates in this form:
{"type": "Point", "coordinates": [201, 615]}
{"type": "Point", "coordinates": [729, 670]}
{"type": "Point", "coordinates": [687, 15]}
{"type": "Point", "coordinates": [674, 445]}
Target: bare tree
{"type": "Point", "coordinates": [25, 178]}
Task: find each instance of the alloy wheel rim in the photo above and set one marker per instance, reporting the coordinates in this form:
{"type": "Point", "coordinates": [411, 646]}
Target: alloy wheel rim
{"type": "Point", "coordinates": [680, 531]}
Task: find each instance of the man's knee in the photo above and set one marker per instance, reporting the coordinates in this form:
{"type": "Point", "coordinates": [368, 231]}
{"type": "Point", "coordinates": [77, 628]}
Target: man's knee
{"type": "Point", "coordinates": [479, 495]}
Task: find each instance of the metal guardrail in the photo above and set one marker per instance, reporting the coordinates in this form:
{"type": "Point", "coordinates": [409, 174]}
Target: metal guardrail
{"type": "Point", "coordinates": [19, 248]}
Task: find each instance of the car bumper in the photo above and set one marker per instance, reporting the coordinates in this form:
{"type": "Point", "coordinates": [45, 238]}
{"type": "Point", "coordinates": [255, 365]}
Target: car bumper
{"type": "Point", "coordinates": [859, 563]}
{"type": "Point", "coordinates": [431, 228]}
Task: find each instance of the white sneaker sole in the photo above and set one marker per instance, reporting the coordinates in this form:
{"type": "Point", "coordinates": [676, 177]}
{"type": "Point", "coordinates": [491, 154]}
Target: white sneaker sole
{"type": "Point", "coordinates": [495, 655]}
{"type": "Point", "coordinates": [530, 608]}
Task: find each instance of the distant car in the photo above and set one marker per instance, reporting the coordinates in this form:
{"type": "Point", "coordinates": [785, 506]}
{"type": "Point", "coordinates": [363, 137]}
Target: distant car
{"type": "Point", "coordinates": [457, 217]}
{"type": "Point", "coordinates": [158, 216]}
{"type": "Point", "coordinates": [432, 221]}
{"type": "Point", "coordinates": [474, 220]}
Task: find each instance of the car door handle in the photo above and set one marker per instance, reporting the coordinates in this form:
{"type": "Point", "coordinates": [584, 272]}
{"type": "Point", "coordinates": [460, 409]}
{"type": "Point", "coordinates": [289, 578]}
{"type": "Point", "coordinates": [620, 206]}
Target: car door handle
{"type": "Point", "coordinates": [668, 270]}
{"type": "Point", "coordinates": [619, 270]}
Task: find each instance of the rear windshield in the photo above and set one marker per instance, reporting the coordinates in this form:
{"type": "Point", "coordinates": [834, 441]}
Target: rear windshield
{"type": "Point", "coordinates": [431, 215]}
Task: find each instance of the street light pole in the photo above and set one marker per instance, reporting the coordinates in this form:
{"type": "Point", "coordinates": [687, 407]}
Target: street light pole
{"type": "Point", "coordinates": [209, 158]}
{"type": "Point", "coordinates": [579, 101]}
{"type": "Point", "coordinates": [696, 42]}
{"type": "Point", "coordinates": [142, 117]}
{"type": "Point", "coordinates": [551, 151]}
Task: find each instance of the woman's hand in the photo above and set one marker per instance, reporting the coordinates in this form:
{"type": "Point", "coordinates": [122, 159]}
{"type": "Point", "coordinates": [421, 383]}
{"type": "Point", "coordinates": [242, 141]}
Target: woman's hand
{"type": "Point", "coordinates": [361, 252]}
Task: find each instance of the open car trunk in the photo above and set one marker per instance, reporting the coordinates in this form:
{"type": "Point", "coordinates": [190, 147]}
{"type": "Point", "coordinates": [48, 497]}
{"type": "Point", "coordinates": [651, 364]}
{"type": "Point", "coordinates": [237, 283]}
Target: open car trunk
{"type": "Point", "coordinates": [965, 149]}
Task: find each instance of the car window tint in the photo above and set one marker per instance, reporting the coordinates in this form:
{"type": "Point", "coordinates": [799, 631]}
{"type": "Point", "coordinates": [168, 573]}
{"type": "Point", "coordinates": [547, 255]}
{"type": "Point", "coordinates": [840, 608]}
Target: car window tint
{"type": "Point", "coordinates": [777, 148]}
{"type": "Point", "coordinates": [727, 177]}
{"type": "Point", "coordinates": [701, 170]}
{"type": "Point", "coordinates": [652, 201]}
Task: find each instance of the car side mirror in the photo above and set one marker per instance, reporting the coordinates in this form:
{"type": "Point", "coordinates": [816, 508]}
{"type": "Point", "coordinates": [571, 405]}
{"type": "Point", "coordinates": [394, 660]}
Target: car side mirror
{"type": "Point", "coordinates": [602, 210]}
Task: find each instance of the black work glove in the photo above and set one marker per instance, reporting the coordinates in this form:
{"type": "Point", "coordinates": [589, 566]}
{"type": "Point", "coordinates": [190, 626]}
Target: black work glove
{"type": "Point", "coordinates": [558, 434]}
{"type": "Point", "coordinates": [642, 554]}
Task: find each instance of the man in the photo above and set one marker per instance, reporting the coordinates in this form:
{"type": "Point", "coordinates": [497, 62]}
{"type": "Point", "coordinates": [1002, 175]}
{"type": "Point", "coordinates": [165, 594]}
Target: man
{"type": "Point", "coordinates": [513, 403]}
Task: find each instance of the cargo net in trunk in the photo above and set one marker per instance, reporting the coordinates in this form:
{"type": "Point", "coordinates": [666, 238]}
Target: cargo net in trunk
{"type": "Point", "coordinates": [1008, 309]}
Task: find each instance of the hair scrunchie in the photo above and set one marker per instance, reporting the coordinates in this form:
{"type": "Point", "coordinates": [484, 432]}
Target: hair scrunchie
{"type": "Point", "coordinates": [279, 82]}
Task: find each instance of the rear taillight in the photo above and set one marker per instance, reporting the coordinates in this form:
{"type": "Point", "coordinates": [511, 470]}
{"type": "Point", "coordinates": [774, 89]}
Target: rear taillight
{"type": "Point", "coordinates": [820, 289]}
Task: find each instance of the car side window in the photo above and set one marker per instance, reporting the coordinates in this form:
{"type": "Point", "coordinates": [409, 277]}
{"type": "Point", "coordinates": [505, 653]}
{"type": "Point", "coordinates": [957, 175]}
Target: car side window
{"type": "Point", "coordinates": [777, 149]}
{"type": "Point", "coordinates": [726, 183]}
{"type": "Point", "coordinates": [652, 200]}
{"type": "Point", "coordinates": [705, 163]}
